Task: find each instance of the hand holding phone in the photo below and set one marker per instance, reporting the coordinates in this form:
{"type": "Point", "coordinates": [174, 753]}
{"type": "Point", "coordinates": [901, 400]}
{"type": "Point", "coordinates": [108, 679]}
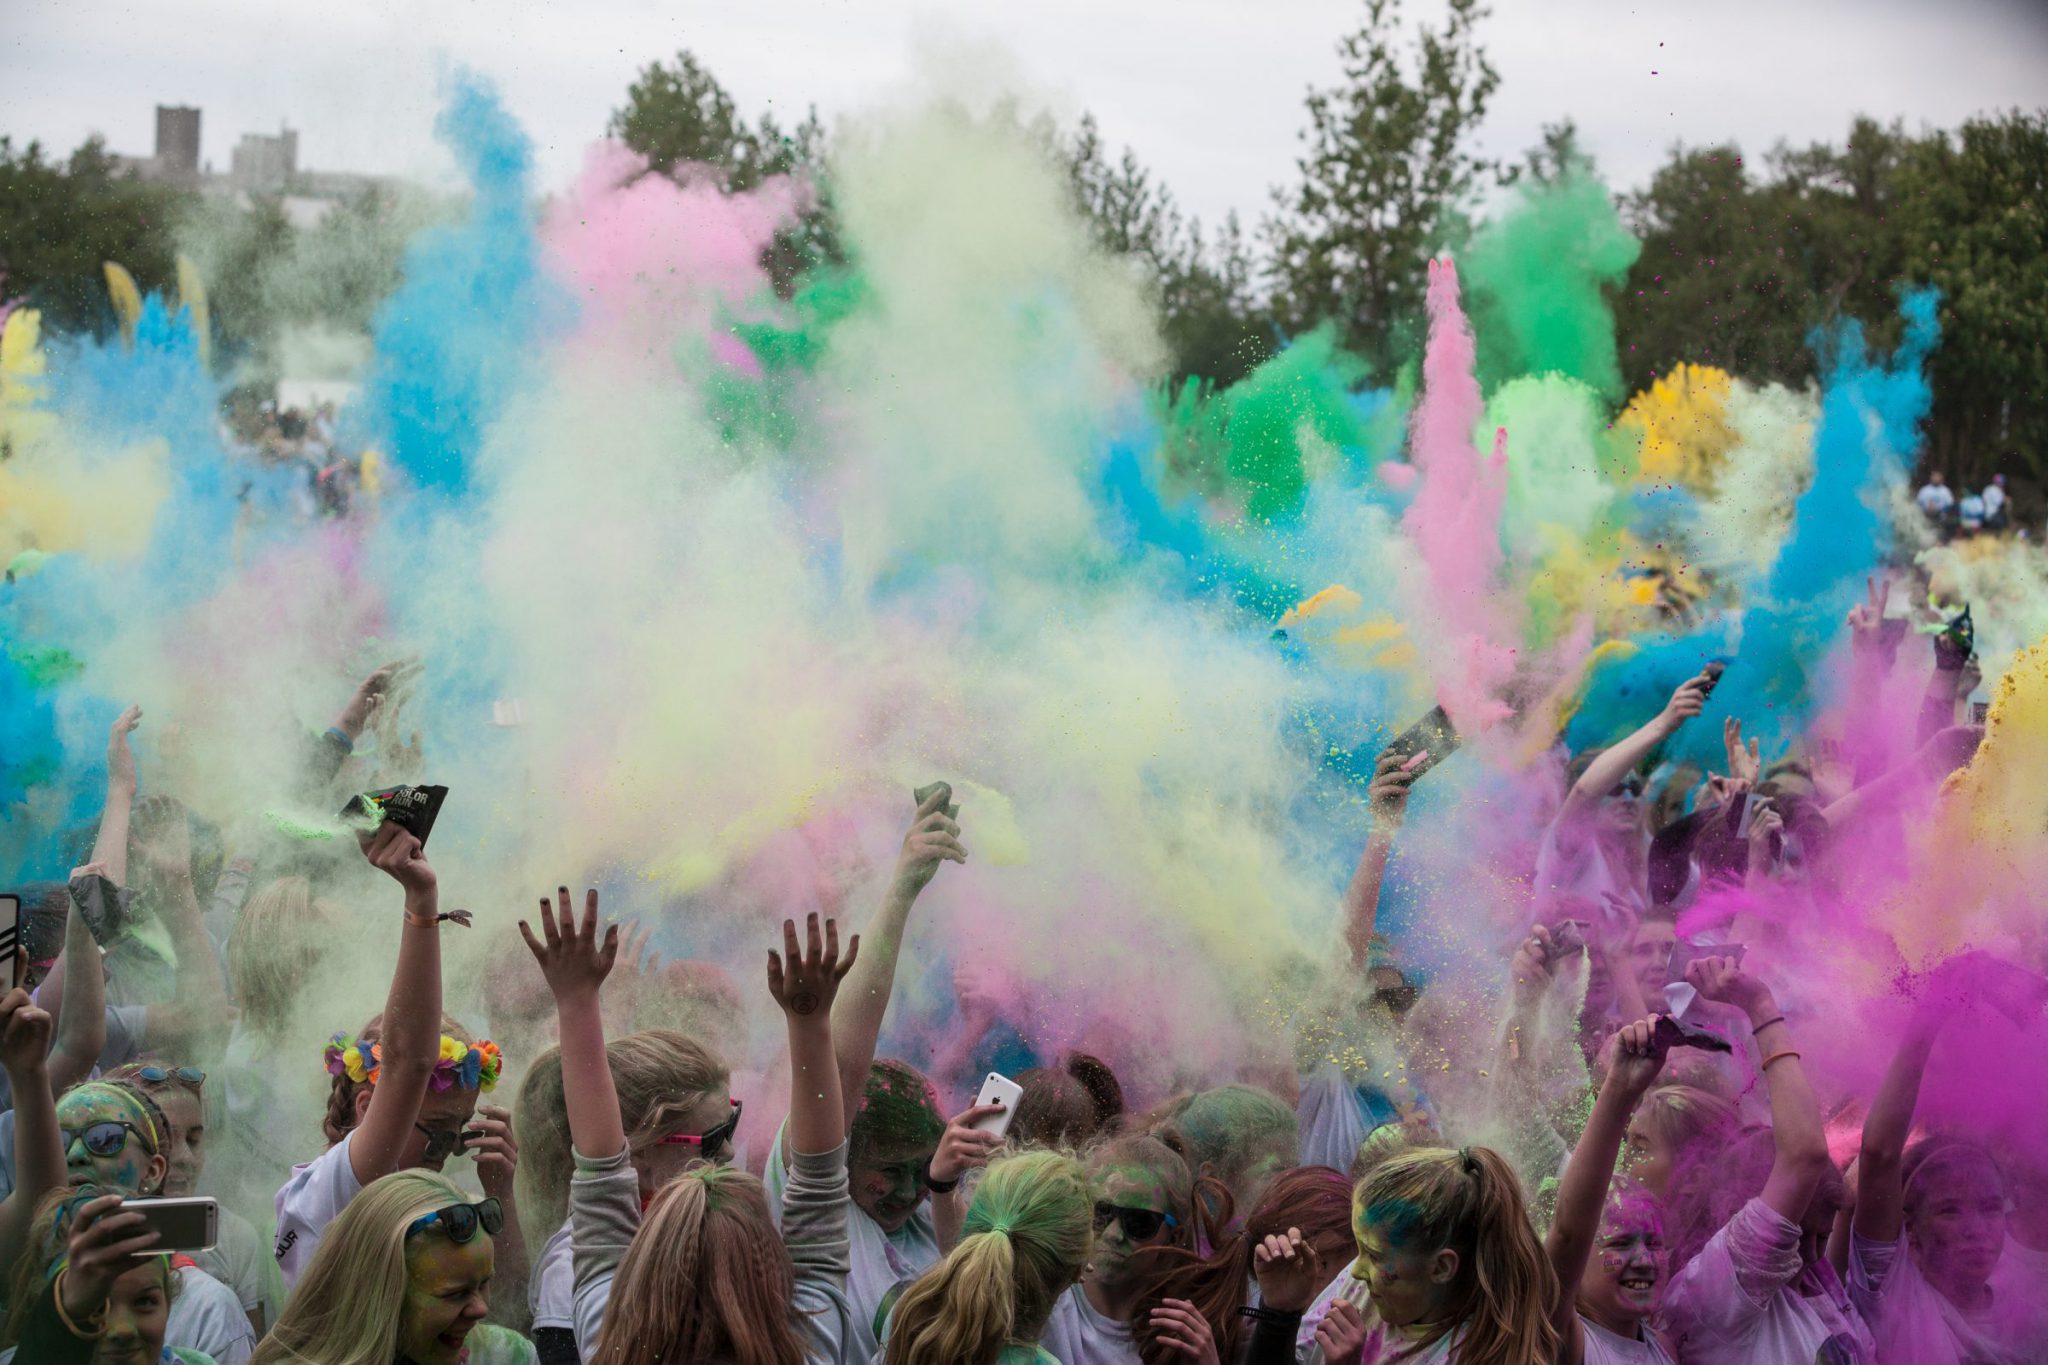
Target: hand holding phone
{"type": "Point", "coordinates": [13, 962]}
{"type": "Point", "coordinates": [187, 1224]}
{"type": "Point", "coordinates": [997, 1089]}
{"type": "Point", "coordinates": [1424, 744]}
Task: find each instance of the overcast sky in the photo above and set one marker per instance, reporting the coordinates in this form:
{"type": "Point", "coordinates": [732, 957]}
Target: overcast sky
{"type": "Point", "coordinates": [1209, 92]}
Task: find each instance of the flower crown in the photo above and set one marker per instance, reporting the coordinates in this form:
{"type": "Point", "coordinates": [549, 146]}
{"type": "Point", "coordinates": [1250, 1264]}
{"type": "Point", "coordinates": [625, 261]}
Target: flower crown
{"type": "Point", "coordinates": [471, 1066]}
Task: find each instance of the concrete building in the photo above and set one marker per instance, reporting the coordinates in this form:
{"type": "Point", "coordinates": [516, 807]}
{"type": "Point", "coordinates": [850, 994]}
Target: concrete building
{"type": "Point", "coordinates": [177, 143]}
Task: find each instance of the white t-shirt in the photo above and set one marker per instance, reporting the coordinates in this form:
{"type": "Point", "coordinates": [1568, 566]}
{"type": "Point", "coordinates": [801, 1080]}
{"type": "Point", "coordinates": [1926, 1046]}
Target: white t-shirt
{"type": "Point", "coordinates": [241, 1259]}
{"type": "Point", "coordinates": [1914, 1321]}
{"type": "Point", "coordinates": [206, 1316]}
{"type": "Point", "coordinates": [1078, 1335]}
{"type": "Point", "coordinates": [1574, 872]}
{"type": "Point", "coordinates": [1935, 498]}
{"type": "Point", "coordinates": [1605, 1348]}
{"type": "Point", "coordinates": [880, 1260]}
{"type": "Point", "coordinates": [551, 1285]}
{"type": "Point", "coordinates": [1748, 1299]}
{"type": "Point", "coordinates": [1354, 1291]}
{"type": "Point", "coordinates": [1994, 498]}
{"type": "Point", "coordinates": [314, 1196]}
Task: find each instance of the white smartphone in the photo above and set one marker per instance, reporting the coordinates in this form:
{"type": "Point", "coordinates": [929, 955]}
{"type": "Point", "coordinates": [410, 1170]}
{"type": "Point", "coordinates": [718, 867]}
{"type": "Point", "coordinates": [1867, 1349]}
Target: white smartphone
{"type": "Point", "coordinates": [12, 961]}
{"type": "Point", "coordinates": [998, 1089]}
{"type": "Point", "coordinates": [191, 1224]}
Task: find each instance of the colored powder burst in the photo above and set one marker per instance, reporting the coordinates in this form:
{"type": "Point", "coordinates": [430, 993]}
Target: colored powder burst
{"type": "Point", "coordinates": [1740, 526]}
{"type": "Point", "coordinates": [454, 343]}
{"type": "Point", "coordinates": [1679, 427]}
{"type": "Point", "coordinates": [1539, 278]}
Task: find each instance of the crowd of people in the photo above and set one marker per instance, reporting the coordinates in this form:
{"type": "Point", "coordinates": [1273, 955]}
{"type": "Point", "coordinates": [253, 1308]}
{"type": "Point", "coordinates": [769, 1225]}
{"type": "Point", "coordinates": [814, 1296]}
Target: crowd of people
{"type": "Point", "coordinates": [1667, 1189]}
{"type": "Point", "coordinates": [1986, 510]}
{"type": "Point", "coordinates": [295, 461]}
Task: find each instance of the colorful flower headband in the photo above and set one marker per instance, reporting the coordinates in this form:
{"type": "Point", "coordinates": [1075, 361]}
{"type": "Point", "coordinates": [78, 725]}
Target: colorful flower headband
{"type": "Point", "coordinates": [470, 1066]}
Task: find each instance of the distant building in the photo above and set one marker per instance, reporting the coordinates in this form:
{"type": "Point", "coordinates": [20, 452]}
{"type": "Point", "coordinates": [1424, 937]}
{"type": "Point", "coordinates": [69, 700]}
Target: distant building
{"type": "Point", "coordinates": [177, 143]}
{"type": "Point", "coordinates": [264, 164]}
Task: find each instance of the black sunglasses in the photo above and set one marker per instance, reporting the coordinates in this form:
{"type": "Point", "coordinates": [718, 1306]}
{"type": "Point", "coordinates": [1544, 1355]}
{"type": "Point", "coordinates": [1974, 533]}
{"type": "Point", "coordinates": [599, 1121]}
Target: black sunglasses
{"type": "Point", "coordinates": [460, 1221]}
{"type": "Point", "coordinates": [441, 1142]}
{"type": "Point", "coordinates": [1140, 1225]}
{"type": "Point", "coordinates": [106, 1138]}
{"type": "Point", "coordinates": [709, 1145]}
{"type": "Point", "coordinates": [1632, 785]}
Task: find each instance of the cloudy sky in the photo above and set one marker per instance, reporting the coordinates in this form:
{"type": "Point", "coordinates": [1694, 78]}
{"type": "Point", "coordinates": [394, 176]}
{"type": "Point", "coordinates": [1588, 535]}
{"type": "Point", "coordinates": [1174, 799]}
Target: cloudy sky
{"type": "Point", "coordinates": [1208, 91]}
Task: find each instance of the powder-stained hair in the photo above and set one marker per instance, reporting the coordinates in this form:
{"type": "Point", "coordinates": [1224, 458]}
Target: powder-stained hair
{"type": "Point", "coordinates": [899, 1110]}
{"type": "Point", "coordinates": [1470, 1202]}
{"type": "Point", "coordinates": [349, 1304]}
{"type": "Point", "coordinates": [1233, 1129]}
{"type": "Point", "coordinates": [1068, 1106]}
{"type": "Point", "coordinates": [1024, 1243]}
{"type": "Point", "coordinates": [280, 940]}
{"type": "Point", "coordinates": [1315, 1199]}
{"type": "Point", "coordinates": [706, 1278]}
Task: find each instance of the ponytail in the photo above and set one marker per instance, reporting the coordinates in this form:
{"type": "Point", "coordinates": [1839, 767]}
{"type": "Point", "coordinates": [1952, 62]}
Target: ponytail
{"type": "Point", "coordinates": [1470, 1202]}
{"type": "Point", "coordinates": [1026, 1241]}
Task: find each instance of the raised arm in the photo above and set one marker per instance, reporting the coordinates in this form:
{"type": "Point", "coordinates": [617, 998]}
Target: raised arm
{"type": "Point", "coordinates": [1880, 1197]}
{"type": "Point", "coordinates": [803, 984]}
{"type": "Point", "coordinates": [1618, 760]}
{"type": "Point", "coordinates": [411, 1041]}
{"type": "Point", "coordinates": [195, 1016]}
{"type": "Point", "coordinates": [110, 847]}
{"type": "Point", "coordinates": [575, 960]}
{"type": "Point", "coordinates": [1801, 1159]}
{"type": "Point", "coordinates": [76, 994]}
{"type": "Point", "coordinates": [1582, 1191]}
{"type": "Point", "coordinates": [934, 838]}
{"type": "Point", "coordinates": [1388, 797]}
{"type": "Point", "coordinates": [38, 1147]}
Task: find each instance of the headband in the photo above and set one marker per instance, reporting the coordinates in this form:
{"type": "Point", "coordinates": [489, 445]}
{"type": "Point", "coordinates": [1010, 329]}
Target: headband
{"type": "Point", "coordinates": [468, 1066]}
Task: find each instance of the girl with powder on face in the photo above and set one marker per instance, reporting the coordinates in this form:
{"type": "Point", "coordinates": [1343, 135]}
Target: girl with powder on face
{"type": "Point", "coordinates": [1608, 1248]}
{"type": "Point", "coordinates": [113, 1137]}
{"type": "Point", "coordinates": [240, 1259]}
{"type": "Point", "coordinates": [701, 1273]}
{"type": "Point", "coordinates": [402, 1098]}
{"type": "Point", "coordinates": [89, 1292]}
{"type": "Point", "coordinates": [1751, 1283]}
{"type": "Point", "coordinates": [1448, 1270]}
{"type": "Point", "coordinates": [1930, 1222]}
{"type": "Point", "coordinates": [1144, 1200]}
{"type": "Point", "coordinates": [403, 1277]}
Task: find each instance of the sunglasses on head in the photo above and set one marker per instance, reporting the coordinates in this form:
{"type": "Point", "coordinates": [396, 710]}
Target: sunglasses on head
{"type": "Point", "coordinates": [190, 1076]}
{"type": "Point", "coordinates": [105, 1138]}
{"type": "Point", "coordinates": [710, 1144]}
{"type": "Point", "coordinates": [1138, 1224]}
{"type": "Point", "coordinates": [1631, 785]}
{"type": "Point", "coordinates": [460, 1221]}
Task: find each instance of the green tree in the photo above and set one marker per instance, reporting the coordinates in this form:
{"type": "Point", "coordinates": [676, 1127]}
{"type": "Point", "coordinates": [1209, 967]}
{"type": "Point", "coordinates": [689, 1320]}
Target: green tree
{"type": "Point", "coordinates": [1211, 321]}
{"type": "Point", "coordinates": [60, 221]}
{"type": "Point", "coordinates": [1387, 160]}
{"type": "Point", "coordinates": [1974, 211]}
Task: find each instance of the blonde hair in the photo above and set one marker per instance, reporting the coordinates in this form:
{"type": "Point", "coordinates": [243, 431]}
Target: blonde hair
{"type": "Point", "coordinates": [706, 1278]}
{"type": "Point", "coordinates": [278, 943]}
{"type": "Point", "coordinates": [1684, 1116]}
{"type": "Point", "coordinates": [1469, 1201]}
{"type": "Point", "coordinates": [1025, 1242]}
{"type": "Point", "coordinates": [350, 1302]}
{"type": "Point", "coordinates": [659, 1075]}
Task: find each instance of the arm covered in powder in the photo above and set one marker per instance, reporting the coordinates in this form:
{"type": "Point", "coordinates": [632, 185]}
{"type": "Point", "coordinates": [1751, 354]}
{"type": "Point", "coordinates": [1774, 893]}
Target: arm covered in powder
{"type": "Point", "coordinates": [1618, 760]}
{"type": "Point", "coordinates": [934, 838]}
{"type": "Point", "coordinates": [1388, 796]}
{"type": "Point", "coordinates": [411, 1044]}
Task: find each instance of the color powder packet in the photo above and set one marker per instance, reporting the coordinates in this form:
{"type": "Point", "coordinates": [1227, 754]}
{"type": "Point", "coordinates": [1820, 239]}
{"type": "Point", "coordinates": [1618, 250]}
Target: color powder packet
{"type": "Point", "coordinates": [410, 808]}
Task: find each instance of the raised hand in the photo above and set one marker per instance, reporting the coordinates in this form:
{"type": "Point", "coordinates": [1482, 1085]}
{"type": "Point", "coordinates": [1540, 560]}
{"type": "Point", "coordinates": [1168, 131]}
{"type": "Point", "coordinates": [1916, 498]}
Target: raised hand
{"type": "Point", "coordinates": [104, 1240]}
{"type": "Point", "coordinates": [370, 694]}
{"type": "Point", "coordinates": [394, 851]}
{"type": "Point", "coordinates": [1392, 778]}
{"type": "Point", "coordinates": [1638, 1057]}
{"type": "Point", "coordinates": [1688, 701]}
{"type": "Point", "coordinates": [1176, 1323]}
{"type": "Point", "coordinates": [575, 960]}
{"type": "Point", "coordinates": [489, 1140]}
{"type": "Point", "coordinates": [1744, 764]}
{"type": "Point", "coordinates": [1533, 967]}
{"type": "Point", "coordinates": [1289, 1270]}
{"type": "Point", "coordinates": [24, 1034]}
{"type": "Point", "coordinates": [167, 848]}
{"type": "Point", "coordinates": [1722, 979]}
{"type": "Point", "coordinates": [121, 758]}
{"type": "Point", "coordinates": [1766, 834]}
{"type": "Point", "coordinates": [934, 838]}
{"type": "Point", "coordinates": [805, 983]}
{"type": "Point", "coordinates": [963, 1148]}
{"type": "Point", "coordinates": [1867, 616]}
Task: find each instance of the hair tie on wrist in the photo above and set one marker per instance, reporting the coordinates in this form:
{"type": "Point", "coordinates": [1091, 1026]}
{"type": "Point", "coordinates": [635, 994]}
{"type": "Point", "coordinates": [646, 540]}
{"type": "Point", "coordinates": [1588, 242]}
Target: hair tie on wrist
{"type": "Point", "coordinates": [1775, 1057]}
{"type": "Point", "coordinates": [461, 917]}
{"type": "Point", "coordinates": [1755, 1029]}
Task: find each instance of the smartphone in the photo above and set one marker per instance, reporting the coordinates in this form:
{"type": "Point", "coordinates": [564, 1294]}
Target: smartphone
{"type": "Point", "coordinates": [1686, 954]}
{"type": "Point", "coordinates": [191, 1224]}
{"type": "Point", "coordinates": [998, 1089]}
{"type": "Point", "coordinates": [1431, 739]}
{"type": "Point", "coordinates": [13, 962]}
{"type": "Point", "coordinates": [1979, 712]}
{"type": "Point", "coordinates": [1713, 671]}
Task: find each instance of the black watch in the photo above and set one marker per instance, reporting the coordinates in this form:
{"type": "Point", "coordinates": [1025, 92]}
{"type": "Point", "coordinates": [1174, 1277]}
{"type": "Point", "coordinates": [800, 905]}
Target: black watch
{"type": "Point", "coordinates": [939, 1186]}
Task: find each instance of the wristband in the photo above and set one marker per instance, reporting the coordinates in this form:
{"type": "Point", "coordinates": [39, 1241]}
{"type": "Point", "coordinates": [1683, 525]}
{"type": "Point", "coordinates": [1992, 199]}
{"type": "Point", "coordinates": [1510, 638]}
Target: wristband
{"type": "Point", "coordinates": [1755, 1029]}
{"type": "Point", "coordinates": [1775, 1057]}
{"type": "Point", "coordinates": [348, 746]}
{"type": "Point", "coordinates": [939, 1186]}
{"type": "Point", "coordinates": [1264, 1314]}
{"type": "Point", "coordinates": [57, 1300]}
{"type": "Point", "coordinates": [461, 917]}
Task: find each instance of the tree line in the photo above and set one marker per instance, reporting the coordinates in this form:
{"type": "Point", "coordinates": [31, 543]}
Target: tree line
{"type": "Point", "coordinates": [1742, 258]}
